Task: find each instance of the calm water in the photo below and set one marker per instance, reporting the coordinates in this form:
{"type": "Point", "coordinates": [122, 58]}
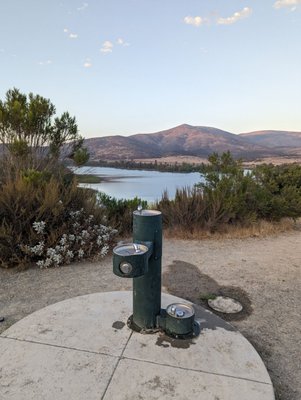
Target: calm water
{"type": "Point", "coordinates": [148, 185]}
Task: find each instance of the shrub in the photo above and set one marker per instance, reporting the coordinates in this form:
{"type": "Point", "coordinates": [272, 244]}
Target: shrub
{"type": "Point", "coordinates": [279, 191]}
{"type": "Point", "coordinates": [44, 217]}
{"type": "Point", "coordinates": [186, 210]}
{"type": "Point", "coordinates": [84, 239]}
{"type": "Point", "coordinates": [228, 192]}
{"type": "Point", "coordinates": [37, 214]}
{"type": "Point", "coordinates": [231, 195]}
{"type": "Point", "coordinates": [119, 213]}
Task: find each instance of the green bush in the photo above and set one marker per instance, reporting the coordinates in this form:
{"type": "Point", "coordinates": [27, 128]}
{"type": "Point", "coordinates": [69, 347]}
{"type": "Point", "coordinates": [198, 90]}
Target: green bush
{"type": "Point", "coordinates": [36, 218]}
{"type": "Point", "coordinates": [186, 210]}
{"type": "Point", "coordinates": [228, 192]}
{"type": "Point", "coordinates": [33, 137]}
{"type": "Point", "coordinates": [231, 195]}
{"type": "Point", "coordinates": [44, 217]}
{"type": "Point", "coordinates": [279, 191]}
{"type": "Point", "coordinates": [119, 213]}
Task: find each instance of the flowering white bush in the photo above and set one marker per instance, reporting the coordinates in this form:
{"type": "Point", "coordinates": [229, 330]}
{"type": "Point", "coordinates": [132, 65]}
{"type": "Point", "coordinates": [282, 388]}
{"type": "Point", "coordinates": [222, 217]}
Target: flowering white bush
{"type": "Point", "coordinates": [39, 226]}
{"type": "Point", "coordinates": [37, 249]}
{"type": "Point", "coordinates": [85, 239]}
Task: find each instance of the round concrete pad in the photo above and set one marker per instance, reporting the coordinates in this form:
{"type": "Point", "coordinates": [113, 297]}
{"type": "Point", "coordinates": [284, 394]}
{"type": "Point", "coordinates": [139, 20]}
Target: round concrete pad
{"type": "Point", "coordinates": [225, 305]}
{"type": "Point", "coordinates": [81, 348]}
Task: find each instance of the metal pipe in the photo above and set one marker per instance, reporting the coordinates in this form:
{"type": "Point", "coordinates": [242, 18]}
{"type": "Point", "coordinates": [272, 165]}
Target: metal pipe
{"type": "Point", "coordinates": [147, 227]}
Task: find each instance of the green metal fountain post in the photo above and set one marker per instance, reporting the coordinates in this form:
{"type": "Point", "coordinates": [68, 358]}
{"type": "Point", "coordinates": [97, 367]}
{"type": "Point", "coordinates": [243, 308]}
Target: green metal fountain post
{"type": "Point", "coordinates": [141, 260]}
{"type": "Point", "coordinates": [147, 227]}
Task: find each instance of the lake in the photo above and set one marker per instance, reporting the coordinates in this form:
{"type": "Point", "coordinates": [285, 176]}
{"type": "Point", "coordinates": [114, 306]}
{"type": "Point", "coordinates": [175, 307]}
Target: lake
{"type": "Point", "coordinates": [148, 185]}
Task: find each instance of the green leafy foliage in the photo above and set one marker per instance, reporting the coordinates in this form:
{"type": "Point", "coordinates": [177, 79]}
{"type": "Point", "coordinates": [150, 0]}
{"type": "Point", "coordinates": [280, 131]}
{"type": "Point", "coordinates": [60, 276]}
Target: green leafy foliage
{"type": "Point", "coordinates": [228, 191]}
{"type": "Point", "coordinates": [31, 199]}
{"type": "Point", "coordinates": [119, 213]}
{"type": "Point", "coordinates": [186, 210]}
{"type": "Point", "coordinates": [231, 195]}
{"type": "Point", "coordinates": [32, 136]}
{"type": "Point", "coordinates": [19, 148]}
{"type": "Point", "coordinates": [87, 178]}
{"type": "Point", "coordinates": [152, 166]}
{"type": "Point", "coordinates": [80, 156]}
{"type": "Point", "coordinates": [45, 218]}
{"type": "Point", "coordinates": [279, 191]}
{"type": "Point", "coordinates": [35, 177]}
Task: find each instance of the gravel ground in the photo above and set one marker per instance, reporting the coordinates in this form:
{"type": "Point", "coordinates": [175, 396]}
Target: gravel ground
{"type": "Point", "coordinates": [263, 273]}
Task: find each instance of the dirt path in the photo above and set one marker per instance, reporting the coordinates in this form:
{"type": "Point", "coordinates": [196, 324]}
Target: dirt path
{"type": "Point", "coordinates": [263, 273]}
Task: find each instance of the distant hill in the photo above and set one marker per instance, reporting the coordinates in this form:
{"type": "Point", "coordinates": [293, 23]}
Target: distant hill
{"type": "Point", "coordinates": [281, 140]}
{"type": "Point", "coordinates": [182, 140]}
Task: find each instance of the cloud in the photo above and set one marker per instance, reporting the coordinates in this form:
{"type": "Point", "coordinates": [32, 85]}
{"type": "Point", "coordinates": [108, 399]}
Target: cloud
{"type": "Point", "coordinates": [195, 21]}
{"type": "Point", "coordinates": [121, 42]}
{"type": "Point", "coordinates": [71, 35]}
{"type": "Point", "coordinates": [107, 47]}
{"type": "Point", "coordinates": [244, 13]}
{"type": "Point", "coordinates": [287, 3]}
{"type": "Point", "coordinates": [87, 63]}
{"type": "Point", "coordinates": [47, 62]}
{"type": "Point", "coordinates": [82, 7]}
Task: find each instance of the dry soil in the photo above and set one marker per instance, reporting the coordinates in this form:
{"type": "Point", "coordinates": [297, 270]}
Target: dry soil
{"type": "Point", "coordinates": [263, 273]}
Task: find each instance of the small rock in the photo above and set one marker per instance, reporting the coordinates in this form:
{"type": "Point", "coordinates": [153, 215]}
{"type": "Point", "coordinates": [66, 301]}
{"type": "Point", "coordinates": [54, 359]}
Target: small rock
{"type": "Point", "coordinates": [225, 305]}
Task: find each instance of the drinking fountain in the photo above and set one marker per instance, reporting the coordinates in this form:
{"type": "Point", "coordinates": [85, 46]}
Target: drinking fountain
{"type": "Point", "coordinates": [141, 260]}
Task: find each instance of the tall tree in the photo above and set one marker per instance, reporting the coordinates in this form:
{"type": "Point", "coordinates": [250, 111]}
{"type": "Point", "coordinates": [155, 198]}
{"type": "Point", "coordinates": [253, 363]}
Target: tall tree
{"type": "Point", "coordinates": [31, 135]}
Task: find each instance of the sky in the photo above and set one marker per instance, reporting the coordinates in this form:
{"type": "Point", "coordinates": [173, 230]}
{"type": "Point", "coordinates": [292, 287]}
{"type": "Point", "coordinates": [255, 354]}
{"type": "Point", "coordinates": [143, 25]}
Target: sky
{"type": "Point", "coordinates": [139, 66]}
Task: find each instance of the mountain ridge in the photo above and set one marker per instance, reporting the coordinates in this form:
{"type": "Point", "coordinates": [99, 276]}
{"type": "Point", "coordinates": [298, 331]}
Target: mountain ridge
{"type": "Point", "coordinates": [274, 138]}
{"type": "Point", "coordinates": [188, 140]}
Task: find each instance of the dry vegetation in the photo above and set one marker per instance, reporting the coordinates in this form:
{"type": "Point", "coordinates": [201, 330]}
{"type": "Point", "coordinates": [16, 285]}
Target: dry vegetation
{"type": "Point", "coordinates": [174, 160]}
{"type": "Point", "coordinates": [45, 218]}
{"type": "Point", "coordinates": [273, 160]}
{"type": "Point", "coordinates": [260, 228]}
{"type": "Point", "coordinates": [276, 160]}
